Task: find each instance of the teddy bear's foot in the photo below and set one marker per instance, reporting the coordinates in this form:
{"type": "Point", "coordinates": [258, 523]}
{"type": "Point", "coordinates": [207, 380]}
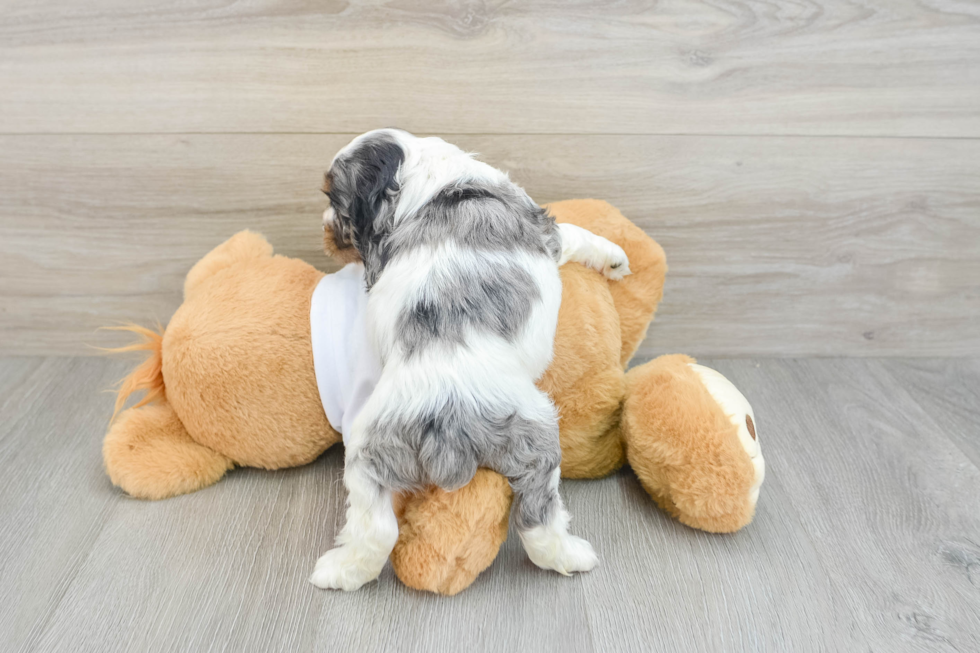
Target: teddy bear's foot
{"type": "Point", "coordinates": [446, 539]}
{"type": "Point", "coordinates": [691, 438]}
{"type": "Point", "coordinates": [149, 454]}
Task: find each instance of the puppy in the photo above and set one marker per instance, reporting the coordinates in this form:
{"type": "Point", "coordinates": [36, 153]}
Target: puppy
{"type": "Point", "coordinates": [461, 269]}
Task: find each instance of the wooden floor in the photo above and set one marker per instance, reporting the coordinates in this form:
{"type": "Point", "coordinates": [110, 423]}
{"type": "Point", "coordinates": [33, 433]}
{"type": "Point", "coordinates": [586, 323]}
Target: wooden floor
{"type": "Point", "coordinates": [867, 537]}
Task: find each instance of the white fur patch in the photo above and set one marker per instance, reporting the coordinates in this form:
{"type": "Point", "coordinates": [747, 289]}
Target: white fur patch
{"type": "Point", "coordinates": [366, 540]}
{"type": "Point", "coordinates": [551, 546]}
{"type": "Point", "coordinates": [579, 245]}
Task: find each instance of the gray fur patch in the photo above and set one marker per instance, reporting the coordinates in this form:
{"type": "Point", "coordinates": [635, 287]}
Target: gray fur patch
{"type": "Point", "coordinates": [481, 218]}
{"type": "Point", "coordinates": [446, 445]}
{"type": "Point", "coordinates": [364, 192]}
{"type": "Point", "coordinates": [499, 302]}
{"type": "Point", "coordinates": [363, 189]}
{"type": "Point", "coordinates": [448, 442]}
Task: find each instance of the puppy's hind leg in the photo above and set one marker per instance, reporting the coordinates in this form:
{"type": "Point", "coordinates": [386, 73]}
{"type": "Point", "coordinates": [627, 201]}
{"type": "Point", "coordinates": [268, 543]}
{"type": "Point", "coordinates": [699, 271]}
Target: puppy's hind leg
{"type": "Point", "coordinates": [368, 537]}
{"type": "Point", "coordinates": [540, 515]}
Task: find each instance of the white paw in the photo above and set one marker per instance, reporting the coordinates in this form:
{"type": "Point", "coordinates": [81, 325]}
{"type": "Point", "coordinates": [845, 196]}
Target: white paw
{"type": "Point", "coordinates": [345, 568]}
{"type": "Point", "coordinates": [566, 555]}
{"type": "Point", "coordinates": [617, 263]}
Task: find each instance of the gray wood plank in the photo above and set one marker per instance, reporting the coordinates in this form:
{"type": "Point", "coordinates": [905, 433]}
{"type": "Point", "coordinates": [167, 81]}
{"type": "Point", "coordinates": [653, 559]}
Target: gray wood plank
{"type": "Point", "coordinates": [226, 569]}
{"type": "Point", "coordinates": [665, 587]}
{"type": "Point", "coordinates": [866, 538]}
{"type": "Point", "coordinates": [886, 498]}
{"type": "Point", "coordinates": [878, 67]}
{"type": "Point", "coordinates": [54, 497]}
{"type": "Point", "coordinates": [776, 246]}
{"type": "Point", "coordinates": [949, 392]}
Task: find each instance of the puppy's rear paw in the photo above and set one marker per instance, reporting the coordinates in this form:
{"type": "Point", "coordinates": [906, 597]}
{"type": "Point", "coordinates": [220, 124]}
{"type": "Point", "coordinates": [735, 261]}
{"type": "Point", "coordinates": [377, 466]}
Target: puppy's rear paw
{"type": "Point", "coordinates": [577, 556]}
{"type": "Point", "coordinates": [565, 553]}
{"type": "Point", "coordinates": [344, 568]}
{"type": "Point", "coordinates": [617, 263]}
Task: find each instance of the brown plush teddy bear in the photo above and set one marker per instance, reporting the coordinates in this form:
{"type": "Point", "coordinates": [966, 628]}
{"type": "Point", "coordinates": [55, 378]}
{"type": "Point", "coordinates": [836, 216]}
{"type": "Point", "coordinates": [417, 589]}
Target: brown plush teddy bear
{"type": "Point", "coordinates": [231, 382]}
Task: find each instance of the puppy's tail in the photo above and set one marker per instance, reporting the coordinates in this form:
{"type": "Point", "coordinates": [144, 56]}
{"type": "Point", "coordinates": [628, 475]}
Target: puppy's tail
{"type": "Point", "coordinates": [148, 376]}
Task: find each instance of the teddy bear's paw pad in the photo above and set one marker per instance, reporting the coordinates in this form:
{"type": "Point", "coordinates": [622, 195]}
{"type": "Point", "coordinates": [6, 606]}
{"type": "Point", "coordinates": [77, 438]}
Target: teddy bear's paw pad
{"type": "Point", "coordinates": [739, 411]}
{"type": "Point", "coordinates": [563, 553]}
{"type": "Point", "coordinates": [345, 568]}
{"type": "Point", "coordinates": [617, 264]}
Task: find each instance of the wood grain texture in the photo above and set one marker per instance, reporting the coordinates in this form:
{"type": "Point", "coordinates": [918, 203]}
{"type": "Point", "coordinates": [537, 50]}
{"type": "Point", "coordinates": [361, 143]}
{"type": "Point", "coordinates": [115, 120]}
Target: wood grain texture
{"type": "Point", "coordinates": [889, 502]}
{"type": "Point", "coordinates": [949, 392]}
{"type": "Point", "coordinates": [54, 498]}
{"type": "Point", "coordinates": [865, 539]}
{"type": "Point", "coordinates": [871, 67]}
{"type": "Point", "coordinates": [776, 246]}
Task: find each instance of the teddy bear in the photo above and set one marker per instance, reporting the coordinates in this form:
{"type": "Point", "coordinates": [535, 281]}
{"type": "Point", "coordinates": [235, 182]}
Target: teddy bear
{"type": "Point", "coordinates": [232, 381]}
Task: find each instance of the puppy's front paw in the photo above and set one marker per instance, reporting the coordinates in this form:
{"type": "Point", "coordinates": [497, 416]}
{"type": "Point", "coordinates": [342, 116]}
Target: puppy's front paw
{"type": "Point", "coordinates": [344, 568]}
{"type": "Point", "coordinates": [617, 263]}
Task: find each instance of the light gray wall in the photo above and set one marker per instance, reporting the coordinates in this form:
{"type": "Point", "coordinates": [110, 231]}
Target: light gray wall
{"type": "Point", "coordinates": [813, 175]}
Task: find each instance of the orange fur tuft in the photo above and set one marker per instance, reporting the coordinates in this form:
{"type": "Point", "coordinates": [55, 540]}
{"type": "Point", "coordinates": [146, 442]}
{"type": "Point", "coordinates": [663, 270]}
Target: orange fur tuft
{"type": "Point", "coordinates": [148, 376]}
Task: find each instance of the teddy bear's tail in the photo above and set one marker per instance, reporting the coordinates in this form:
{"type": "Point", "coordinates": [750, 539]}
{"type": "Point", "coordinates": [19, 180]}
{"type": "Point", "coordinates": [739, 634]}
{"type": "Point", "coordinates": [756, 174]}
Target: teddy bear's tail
{"type": "Point", "coordinates": [148, 376]}
{"type": "Point", "coordinates": [148, 451]}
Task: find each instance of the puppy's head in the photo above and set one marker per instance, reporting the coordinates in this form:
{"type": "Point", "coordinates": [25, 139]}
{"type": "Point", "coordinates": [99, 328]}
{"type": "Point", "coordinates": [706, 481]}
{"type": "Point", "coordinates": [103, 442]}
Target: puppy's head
{"type": "Point", "coordinates": [363, 188]}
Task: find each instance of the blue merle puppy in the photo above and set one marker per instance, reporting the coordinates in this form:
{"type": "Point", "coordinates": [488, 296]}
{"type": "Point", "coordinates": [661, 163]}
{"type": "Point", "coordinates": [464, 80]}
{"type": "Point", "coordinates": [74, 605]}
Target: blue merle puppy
{"type": "Point", "coordinates": [461, 268]}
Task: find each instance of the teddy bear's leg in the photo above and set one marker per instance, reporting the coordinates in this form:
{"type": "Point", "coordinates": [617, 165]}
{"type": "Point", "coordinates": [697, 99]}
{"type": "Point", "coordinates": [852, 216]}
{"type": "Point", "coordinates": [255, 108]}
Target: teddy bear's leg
{"type": "Point", "coordinates": [691, 439]}
{"type": "Point", "coordinates": [446, 539]}
{"type": "Point", "coordinates": [149, 454]}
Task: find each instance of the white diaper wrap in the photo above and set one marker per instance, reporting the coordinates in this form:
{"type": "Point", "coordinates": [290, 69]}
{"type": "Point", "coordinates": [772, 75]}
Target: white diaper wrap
{"type": "Point", "coordinates": [346, 365]}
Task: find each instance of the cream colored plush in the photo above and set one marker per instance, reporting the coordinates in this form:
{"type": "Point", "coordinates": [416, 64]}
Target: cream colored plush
{"type": "Point", "coordinates": [231, 382]}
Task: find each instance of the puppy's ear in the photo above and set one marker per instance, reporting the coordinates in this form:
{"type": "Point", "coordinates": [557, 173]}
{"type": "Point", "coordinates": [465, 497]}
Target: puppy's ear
{"type": "Point", "coordinates": [335, 244]}
{"type": "Point", "coordinates": [337, 249]}
{"type": "Point", "coordinates": [362, 189]}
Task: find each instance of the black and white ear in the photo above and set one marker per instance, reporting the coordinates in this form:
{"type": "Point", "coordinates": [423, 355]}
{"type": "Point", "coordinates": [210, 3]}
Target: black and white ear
{"type": "Point", "coordinates": [362, 186]}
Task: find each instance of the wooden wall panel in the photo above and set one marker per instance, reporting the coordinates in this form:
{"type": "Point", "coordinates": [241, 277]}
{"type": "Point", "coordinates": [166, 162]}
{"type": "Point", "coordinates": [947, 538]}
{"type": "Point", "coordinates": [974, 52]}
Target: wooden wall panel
{"type": "Point", "coordinates": [810, 168]}
{"type": "Point", "coordinates": [777, 245]}
{"type": "Point", "coordinates": [873, 67]}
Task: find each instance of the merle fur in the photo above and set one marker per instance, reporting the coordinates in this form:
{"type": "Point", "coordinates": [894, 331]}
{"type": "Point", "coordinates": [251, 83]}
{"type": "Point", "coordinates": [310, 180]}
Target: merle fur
{"type": "Point", "coordinates": [362, 191]}
{"type": "Point", "coordinates": [500, 304]}
{"type": "Point", "coordinates": [496, 218]}
{"type": "Point", "coordinates": [446, 444]}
